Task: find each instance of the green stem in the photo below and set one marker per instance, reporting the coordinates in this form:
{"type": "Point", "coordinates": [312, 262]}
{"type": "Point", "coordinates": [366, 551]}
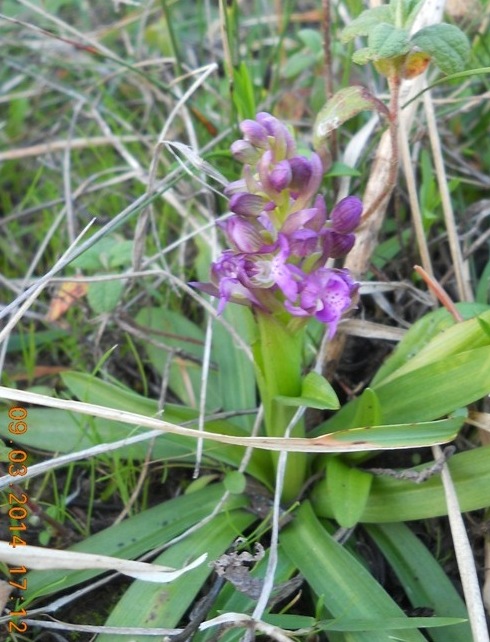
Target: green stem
{"type": "Point", "coordinates": [278, 358]}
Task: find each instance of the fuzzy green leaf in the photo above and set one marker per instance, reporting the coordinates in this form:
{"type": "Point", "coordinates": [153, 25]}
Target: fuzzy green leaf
{"type": "Point", "coordinates": [388, 41]}
{"type": "Point", "coordinates": [344, 104]}
{"type": "Point", "coordinates": [103, 296]}
{"type": "Point", "coordinates": [446, 44]}
{"type": "Point", "coordinates": [312, 39]}
{"type": "Point", "coordinates": [363, 24]}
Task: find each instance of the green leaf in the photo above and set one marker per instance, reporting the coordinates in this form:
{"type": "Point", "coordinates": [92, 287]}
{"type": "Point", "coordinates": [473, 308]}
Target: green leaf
{"type": "Point", "coordinates": [368, 410]}
{"type": "Point", "coordinates": [95, 257]}
{"type": "Point", "coordinates": [236, 377]}
{"type": "Point", "coordinates": [392, 623]}
{"type": "Point", "coordinates": [316, 392]}
{"type": "Point", "coordinates": [164, 608]}
{"type": "Point", "coordinates": [448, 339]}
{"type": "Point", "coordinates": [425, 582]}
{"type": "Point", "coordinates": [174, 330]}
{"type": "Point", "coordinates": [344, 104]}
{"type": "Point", "coordinates": [103, 296]}
{"type": "Point", "coordinates": [243, 92]}
{"type": "Point", "coordinates": [393, 436]}
{"type": "Point", "coordinates": [349, 490]}
{"type": "Point", "coordinates": [343, 583]}
{"type": "Point", "coordinates": [297, 63]}
{"type": "Point", "coordinates": [135, 536]}
{"type": "Point", "coordinates": [421, 334]}
{"type": "Point", "coordinates": [367, 20]}
{"type": "Point", "coordinates": [93, 390]}
{"type": "Point", "coordinates": [411, 9]}
{"type": "Point", "coordinates": [312, 39]}
{"type": "Point", "coordinates": [446, 44]}
{"type": "Point", "coordinates": [341, 169]}
{"type": "Point", "coordinates": [387, 41]}
{"type": "Point", "coordinates": [425, 393]}
{"type": "Point", "coordinates": [404, 500]}
{"type": "Point", "coordinates": [235, 482]}
{"type": "Point", "coordinates": [363, 56]}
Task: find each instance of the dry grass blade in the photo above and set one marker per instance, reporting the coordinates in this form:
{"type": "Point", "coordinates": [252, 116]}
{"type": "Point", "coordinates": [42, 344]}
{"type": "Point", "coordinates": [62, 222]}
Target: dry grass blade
{"type": "Point", "coordinates": [45, 558]}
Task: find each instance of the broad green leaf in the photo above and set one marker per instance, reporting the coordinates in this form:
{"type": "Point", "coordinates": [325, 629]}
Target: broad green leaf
{"type": "Point", "coordinates": [404, 500]}
{"type": "Point", "coordinates": [436, 389]}
{"type": "Point", "coordinates": [120, 254]}
{"type": "Point", "coordinates": [388, 41]}
{"type": "Point", "coordinates": [446, 44]}
{"type": "Point", "coordinates": [164, 608]}
{"type": "Point", "coordinates": [424, 581]}
{"type": "Point", "coordinates": [103, 296]}
{"type": "Point", "coordinates": [236, 376]}
{"type": "Point", "coordinates": [393, 436]}
{"type": "Point", "coordinates": [235, 482]}
{"type": "Point", "coordinates": [64, 432]}
{"type": "Point", "coordinates": [316, 392]}
{"type": "Point", "coordinates": [349, 490]}
{"type": "Point", "coordinates": [426, 393]}
{"type": "Point", "coordinates": [134, 536]}
{"type": "Point", "coordinates": [342, 582]}
{"type": "Point", "coordinates": [392, 623]}
{"type": "Point", "coordinates": [173, 330]}
{"type": "Point", "coordinates": [297, 63]}
{"type": "Point", "coordinates": [94, 390]}
{"type": "Point", "coordinates": [344, 104]}
{"type": "Point", "coordinates": [312, 39]}
{"type": "Point", "coordinates": [422, 333]}
{"type": "Point", "coordinates": [367, 20]}
{"type": "Point", "coordinates": [368, 410]}
{"type": "Point", "coordinates": [363, 56]}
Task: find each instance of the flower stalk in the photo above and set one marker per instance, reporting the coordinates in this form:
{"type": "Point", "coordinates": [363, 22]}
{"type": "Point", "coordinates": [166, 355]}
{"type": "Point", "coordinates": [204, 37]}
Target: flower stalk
{"type": "Point", "coordinates": [280, 237]}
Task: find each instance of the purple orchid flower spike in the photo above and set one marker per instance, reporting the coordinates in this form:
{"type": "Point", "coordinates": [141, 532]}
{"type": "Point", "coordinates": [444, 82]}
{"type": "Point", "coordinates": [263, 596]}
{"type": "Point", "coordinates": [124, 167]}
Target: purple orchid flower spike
{"type": "Point", "coordinates": [279, 236]}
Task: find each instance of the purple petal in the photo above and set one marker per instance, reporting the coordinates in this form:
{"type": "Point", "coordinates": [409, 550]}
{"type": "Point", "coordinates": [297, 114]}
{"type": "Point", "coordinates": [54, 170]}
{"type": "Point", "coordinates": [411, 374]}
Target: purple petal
{"type": "Point", "coordinates": [336, 245]}
{"type": "Point", "coordinates": [283, 144]}
{"type": "Point", "coordinates": [246, 204]}
{"type": "Point", "coordinates": [244, 152]}
{"type": "Point", "coordinates": [254, 133]}
{"type": "Point", "coordinates": [243, 234]}
{"type": "Point", "coordinates": [274, 177]}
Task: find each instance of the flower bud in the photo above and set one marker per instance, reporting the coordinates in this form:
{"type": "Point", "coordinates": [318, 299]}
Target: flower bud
{"type": "Point", "coordinates": [282, 143]}
{"type": "Point", "coordinates": [254, 133]}
{"type": "Point", "coordinates": [301, 172]}
{"type": "Point", "coordinates": [346, 215]}
{"type": "Point", "coordinates": [274, 177]}
{"type": "Point", "coordinates": [338, 245]}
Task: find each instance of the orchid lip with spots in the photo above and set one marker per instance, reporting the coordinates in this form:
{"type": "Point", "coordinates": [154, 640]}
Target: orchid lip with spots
{"type": "Point", "coordinates": [280, 236]}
